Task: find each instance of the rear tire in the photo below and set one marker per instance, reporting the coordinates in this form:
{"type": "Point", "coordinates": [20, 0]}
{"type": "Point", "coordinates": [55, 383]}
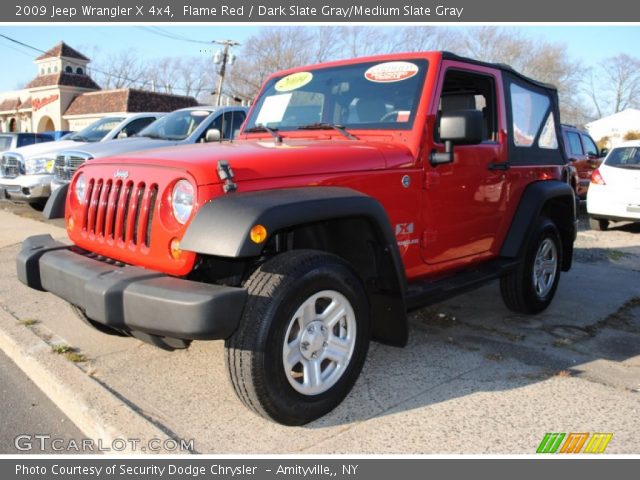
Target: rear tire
{"type": "Point", "coordinates": [530, 288]}
{"type": "Point", "coordinates": [303, 337]}
{"type": "Point", "coordinates": [599, 224]}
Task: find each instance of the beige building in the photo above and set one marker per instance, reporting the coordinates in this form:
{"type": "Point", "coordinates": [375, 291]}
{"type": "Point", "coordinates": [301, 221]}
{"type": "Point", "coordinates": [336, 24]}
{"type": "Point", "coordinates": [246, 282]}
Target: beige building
{"type": "Point", "coordinates": [64, 97]}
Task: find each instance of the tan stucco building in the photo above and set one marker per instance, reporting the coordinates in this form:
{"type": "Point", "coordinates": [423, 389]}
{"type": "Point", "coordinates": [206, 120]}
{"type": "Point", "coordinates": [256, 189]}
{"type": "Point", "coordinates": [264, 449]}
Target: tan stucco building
{"type": "Point", "coordinates": [64, 97]}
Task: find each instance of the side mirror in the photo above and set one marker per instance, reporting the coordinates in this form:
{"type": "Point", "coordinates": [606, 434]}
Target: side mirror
{"type": "Point", "coordinates": [212, 135]}
{"type": "Point", "coordinates": [459, 127]}
{"type": "Point", "coordinates": [604, 152]}
{"type": "Point", "coordinates": [122, 134]}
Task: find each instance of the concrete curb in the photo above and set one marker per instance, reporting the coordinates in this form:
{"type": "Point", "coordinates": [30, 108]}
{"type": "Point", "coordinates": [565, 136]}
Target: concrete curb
{"type": "Point", "coordinates": [96, 411]}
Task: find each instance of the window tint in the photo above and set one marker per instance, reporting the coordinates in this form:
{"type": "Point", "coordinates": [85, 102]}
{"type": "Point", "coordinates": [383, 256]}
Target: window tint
{"type": "Point", "coordinates": [589, 146]}
{"type": "Point", "coordinates": [575, 147]}
{"type": "Point", "coordinates": [529, 109]}
{"type": "Point", "coordinates": [136, 125]}
{"type": "Point", "coordinates": [624, 157]}
{"type": "Point", "coordinates": [24, 140]}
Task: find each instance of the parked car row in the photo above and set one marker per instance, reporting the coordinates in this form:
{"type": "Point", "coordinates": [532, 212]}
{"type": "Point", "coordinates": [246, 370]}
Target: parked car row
{"type": "Point", "coordinates": [30, 173]}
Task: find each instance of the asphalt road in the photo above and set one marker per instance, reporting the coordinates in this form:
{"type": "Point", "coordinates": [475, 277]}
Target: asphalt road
{"type": "Point", "coordinates": [27, 411]}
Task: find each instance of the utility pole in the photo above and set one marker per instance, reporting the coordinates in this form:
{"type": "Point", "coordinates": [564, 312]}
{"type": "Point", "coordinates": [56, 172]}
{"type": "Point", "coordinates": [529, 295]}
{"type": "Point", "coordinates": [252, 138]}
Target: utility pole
{"type": "Point", "coordinates": [223, 60]}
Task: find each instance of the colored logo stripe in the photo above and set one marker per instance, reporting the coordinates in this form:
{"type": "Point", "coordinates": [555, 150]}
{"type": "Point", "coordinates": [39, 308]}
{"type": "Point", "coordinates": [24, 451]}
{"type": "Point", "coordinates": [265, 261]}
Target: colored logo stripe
{"type": "Point", "coordinates": [574, 443]}
{"type": "Point", "coordinates": [598, 442]}
{"type": "Point", "coordinates": [550, 443]}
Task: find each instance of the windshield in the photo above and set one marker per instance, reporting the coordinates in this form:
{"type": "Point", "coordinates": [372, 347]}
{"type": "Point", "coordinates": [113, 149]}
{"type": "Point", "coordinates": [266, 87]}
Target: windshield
{"type": "Point", "coordinates": [373, 95]}
{"type": "Point", "coordinates": [97, 130]}
{"type": "Point", "coordinates": [624, 157]}
{"type": "Point", "coordinates": [175, 126]}
{"type": "Point", "coordinates": [5, 142]}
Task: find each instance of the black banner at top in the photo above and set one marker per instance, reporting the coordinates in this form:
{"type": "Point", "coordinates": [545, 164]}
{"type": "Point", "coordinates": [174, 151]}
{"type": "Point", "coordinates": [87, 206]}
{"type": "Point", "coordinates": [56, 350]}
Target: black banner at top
{"type": "Point", "coordinates": [325, 11]}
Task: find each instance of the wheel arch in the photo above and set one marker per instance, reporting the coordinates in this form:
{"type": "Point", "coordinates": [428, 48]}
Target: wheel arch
{"type": "Point", "coordinates": [337, 220]}
{"type": "Point", "coordinates": [551, 198]}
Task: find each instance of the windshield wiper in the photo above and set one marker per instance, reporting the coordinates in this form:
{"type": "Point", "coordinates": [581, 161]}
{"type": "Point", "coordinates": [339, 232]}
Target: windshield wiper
{"type": "Point", "coordinates": [328, 126]}
{"type": "Point", "coordinates": [153, 136]}
{"type": "Point", "coordinates": [78, 138]}
{"type": "Point", "coordinates": [277, 138]}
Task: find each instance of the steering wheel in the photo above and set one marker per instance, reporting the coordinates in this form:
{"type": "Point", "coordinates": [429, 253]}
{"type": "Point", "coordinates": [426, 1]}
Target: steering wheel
{"type": "Point", "coordinates": [388, 115]}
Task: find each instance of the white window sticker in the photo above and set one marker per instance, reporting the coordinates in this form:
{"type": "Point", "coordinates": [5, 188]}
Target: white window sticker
{"type": "Point", "coordinates": [273, 109]}
{"type": "Point", "coordinates": [391, 72]}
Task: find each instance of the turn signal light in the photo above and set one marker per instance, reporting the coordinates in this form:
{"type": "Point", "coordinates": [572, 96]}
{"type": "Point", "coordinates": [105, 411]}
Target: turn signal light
{"type": "Point", "coordinates": [597, 178]}
{"type": "Point", "coordinates": [174, 248]}
{"type": "Point", "coordinates": [258, 234]}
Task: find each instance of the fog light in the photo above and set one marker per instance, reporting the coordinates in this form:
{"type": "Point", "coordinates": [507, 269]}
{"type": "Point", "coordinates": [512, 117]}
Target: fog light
{"type": "Point", "coordinates": [70, 223]}
{"type": "Point", "coordinates": [174, 247]}
{"type": "Point", "coordinates": [258, 234]}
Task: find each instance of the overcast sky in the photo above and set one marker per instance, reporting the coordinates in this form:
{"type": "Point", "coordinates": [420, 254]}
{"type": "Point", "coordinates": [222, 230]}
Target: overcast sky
{"type": "Point", "coordinates": [590, 44]}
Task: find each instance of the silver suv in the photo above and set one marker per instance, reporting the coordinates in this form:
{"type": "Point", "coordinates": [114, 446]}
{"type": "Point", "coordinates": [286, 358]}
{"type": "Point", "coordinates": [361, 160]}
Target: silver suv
{"type": "Point", "coordinates": [182, 127]}
{"type": "Point", "coordinates": [26, 172]}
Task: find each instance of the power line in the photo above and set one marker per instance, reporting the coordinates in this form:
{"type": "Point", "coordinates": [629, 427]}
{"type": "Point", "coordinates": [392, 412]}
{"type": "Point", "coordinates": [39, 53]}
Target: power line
{"type": "Point", "coordinates": [173, 36]}
{"type": "Point", "coordinates": [141, 83]}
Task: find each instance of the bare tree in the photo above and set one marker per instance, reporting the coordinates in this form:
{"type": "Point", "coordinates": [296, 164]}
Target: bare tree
{"type": "Point", "coordinates": [621, 85]}
{"type": "Point", "coordinates": [124, 69]}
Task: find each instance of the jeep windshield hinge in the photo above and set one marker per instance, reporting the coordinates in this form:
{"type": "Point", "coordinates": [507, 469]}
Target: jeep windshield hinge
{"type": "Point", "coordinates": [226, 175]}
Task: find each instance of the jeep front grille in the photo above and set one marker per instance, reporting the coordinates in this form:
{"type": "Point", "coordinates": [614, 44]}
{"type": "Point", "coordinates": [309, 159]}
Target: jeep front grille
{"type": "Point", "coordinates": [10, 166]}
{"type": "Point", "coordinates": [119, 211]}
{"type": "Point", "coordinates": [66, 165]}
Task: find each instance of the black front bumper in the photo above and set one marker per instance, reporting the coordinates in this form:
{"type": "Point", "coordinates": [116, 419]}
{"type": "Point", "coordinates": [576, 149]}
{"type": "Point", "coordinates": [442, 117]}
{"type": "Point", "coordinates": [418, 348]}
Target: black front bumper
{"type": "Point", "coordinates": [130, 298]}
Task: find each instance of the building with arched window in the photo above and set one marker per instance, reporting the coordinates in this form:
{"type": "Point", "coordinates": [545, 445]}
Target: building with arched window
{"type": "Point", "coordinates": [63, 96]}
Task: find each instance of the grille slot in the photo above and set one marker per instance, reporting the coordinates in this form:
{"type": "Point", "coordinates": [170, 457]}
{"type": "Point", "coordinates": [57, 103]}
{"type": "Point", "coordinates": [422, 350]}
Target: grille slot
{"type": "Point", "coordinates": [120, 211]}
{"type": "Point", "coordinates": [10, 166]}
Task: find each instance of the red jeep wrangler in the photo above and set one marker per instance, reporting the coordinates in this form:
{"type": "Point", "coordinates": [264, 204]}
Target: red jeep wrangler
{"type": "Point", "coordinates": [358, 190]}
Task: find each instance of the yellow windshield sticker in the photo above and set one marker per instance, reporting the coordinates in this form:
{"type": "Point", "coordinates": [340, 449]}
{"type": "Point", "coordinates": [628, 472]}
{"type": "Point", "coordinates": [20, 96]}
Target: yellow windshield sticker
{"type": "Point", "coordinates": [293, 81]}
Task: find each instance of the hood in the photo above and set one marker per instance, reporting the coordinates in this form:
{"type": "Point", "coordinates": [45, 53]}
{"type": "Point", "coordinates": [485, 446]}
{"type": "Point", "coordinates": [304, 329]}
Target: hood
{"type": "Point", "coordinates": [119, 146]}
{"type": "Point", "coordinates": [252, 160]}
{"type": "Point", "coordinates": [47, 148]}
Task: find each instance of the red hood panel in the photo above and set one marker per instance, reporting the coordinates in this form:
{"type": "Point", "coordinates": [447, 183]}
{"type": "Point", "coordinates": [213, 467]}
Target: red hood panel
{"type": "Point", "coordinates": [264, 159]}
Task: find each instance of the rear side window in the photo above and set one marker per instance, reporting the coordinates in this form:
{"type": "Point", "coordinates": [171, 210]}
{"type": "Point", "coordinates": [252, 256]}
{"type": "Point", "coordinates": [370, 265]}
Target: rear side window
{"type": "Point", "coordinates": [5, 142]}
{"type": "Point", "coordinates": [136, 125]}
{"type": "Point", "coordinates": [24, 140]}
{"type": "Point", "coordinates": [589, 146]}
{"type": "Point", "coordinates": [575, 147]}
{"type": "Point", "coordinates": [532, 116]}
{"type": "Point", "coordinates": [624, 157]}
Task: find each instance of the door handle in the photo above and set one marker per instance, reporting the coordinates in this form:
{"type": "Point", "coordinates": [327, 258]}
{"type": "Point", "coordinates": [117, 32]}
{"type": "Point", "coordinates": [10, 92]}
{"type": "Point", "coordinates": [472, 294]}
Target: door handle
{"type": "Point", "coordinates": [498, 166]}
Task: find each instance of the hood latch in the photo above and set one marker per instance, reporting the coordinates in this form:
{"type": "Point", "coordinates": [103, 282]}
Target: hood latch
{"type": "Point", "coordinates": [226, 175]}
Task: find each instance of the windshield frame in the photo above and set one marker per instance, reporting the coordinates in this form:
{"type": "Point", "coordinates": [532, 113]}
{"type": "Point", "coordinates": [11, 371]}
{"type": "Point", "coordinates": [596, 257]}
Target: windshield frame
{"type": "Point", "coordinates": [267, 91]}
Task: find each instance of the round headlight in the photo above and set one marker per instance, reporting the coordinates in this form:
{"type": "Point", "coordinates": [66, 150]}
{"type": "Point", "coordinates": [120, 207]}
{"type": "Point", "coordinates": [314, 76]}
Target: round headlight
{"type": "Point", "coordinates": [80, 187]}
{"type": "Point", "coordinates": [182, 200]}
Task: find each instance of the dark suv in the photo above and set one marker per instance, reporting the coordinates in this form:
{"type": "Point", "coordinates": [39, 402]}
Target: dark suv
{"type": "Point", "coordinates": [10, 141]}
{"type": "Point", "coordinates": [583, 154]}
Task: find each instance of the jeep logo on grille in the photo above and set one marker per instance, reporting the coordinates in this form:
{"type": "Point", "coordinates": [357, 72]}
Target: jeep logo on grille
{"type": "Point", "coordinates": [121, 174]}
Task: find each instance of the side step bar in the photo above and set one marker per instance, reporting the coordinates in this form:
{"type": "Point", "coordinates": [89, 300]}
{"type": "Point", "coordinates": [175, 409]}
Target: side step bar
{"type": "Point", "coordinates": [423, 293]}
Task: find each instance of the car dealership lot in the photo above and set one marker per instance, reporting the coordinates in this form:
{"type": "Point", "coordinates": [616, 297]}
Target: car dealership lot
{"type": "Point", "coordinates": [475, 378]}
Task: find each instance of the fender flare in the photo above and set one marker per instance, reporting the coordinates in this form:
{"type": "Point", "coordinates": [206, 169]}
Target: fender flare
{"type": "Point", "coordinates": [221, 228]}
{"type": "Point", "coordinates": [533, 200]}
{"type": "Point", "coordinates": [56, 204]}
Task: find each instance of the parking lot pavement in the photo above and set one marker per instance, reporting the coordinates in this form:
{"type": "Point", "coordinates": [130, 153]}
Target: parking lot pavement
{"type": "Point", "coordinates": [27, 412]}
{"type": "Point", "coordinates": [475, 378]}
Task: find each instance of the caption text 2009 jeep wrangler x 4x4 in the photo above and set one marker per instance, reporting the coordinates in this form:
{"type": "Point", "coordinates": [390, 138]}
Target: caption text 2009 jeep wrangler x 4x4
{"type": "Point", "coordinates": [358, 190]}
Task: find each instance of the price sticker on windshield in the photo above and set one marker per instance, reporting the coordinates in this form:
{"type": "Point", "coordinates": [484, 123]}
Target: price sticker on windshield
{"type": "Point", "coordinates": [293, 81]}
{"type": "Point", "coordinates": [391, 72]}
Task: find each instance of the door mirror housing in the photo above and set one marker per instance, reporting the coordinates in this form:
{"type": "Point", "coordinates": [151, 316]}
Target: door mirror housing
{"type": "Point", "coordinates": [459, 127]}
{"type": "Point", "coordinates": [122, 135]}
{"type": "Point", "coordinates": [604, 152]}
{"type": "Point", "coordinates": [212, 135]}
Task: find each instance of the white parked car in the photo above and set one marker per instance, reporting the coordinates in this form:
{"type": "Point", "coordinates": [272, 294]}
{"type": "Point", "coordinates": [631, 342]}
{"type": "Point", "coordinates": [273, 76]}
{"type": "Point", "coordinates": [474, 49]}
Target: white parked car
{"type": "Point", "coordinates": [26, 172]}
{"type": "Point", "coordinates": [614, 193]}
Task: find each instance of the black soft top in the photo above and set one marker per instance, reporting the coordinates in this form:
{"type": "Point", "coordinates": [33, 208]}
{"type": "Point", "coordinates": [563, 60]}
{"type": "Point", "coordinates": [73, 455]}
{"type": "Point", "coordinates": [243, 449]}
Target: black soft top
{"type": "Point", "coordinates": [500, 66]}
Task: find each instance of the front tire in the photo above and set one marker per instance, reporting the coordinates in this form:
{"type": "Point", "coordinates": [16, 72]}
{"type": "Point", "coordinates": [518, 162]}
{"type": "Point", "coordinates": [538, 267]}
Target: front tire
{"type": "Point", "coordinates": [303, 337]}
{"type": "Point", "coordinates": [530, 288]}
